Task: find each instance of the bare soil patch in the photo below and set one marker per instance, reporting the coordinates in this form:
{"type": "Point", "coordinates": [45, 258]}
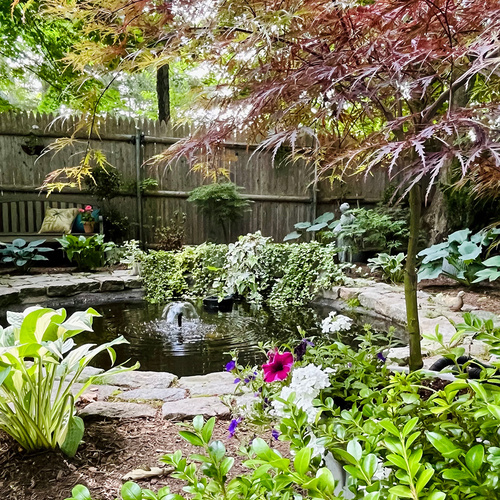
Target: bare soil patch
{"type": "Point", "coordinates": [110, 450]}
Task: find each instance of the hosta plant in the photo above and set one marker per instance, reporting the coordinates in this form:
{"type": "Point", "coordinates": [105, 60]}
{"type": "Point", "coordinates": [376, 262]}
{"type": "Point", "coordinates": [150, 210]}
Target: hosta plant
{"type": "Point", "coordinates": [22, 254]}
{"type": "Point", "coordinates": [87, 253]}
{"type": "Point", "coordinates": [391, 266]}
{"type": "Point", "coordinates": [491, 270]}
{"type": "Point", "coordinates": [458, 258]}
{"type": "Point", "coordinates": [39, 364]}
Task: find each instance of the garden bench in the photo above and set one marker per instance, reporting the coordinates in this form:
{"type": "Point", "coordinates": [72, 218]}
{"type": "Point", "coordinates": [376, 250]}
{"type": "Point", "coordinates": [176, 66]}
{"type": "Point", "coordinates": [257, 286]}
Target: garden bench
{"type": "Point", "coordinates": [22, 214]}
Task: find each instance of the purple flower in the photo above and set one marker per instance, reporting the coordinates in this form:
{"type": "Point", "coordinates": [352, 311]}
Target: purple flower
{"type": "Point", "coordinates": [232, 426]}
{"type": "Point", "coordinates": [349, 365]}
{"type": "Point", "coordinates": [275, 434]}
{"type": "Point", "coordinates": [237, 381]}
{"type": "Point", "coordinates": [381, 357]}
{"type": "Point", "coordinates": [231, 365]}
{"type": "Point", "coordinates": [300, 350]}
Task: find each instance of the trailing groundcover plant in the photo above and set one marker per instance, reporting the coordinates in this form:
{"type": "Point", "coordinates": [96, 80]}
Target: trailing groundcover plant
{"type": "Point", "coordinates": [39, 364]}
{"type": "Point", "coordinates": [411, 86]}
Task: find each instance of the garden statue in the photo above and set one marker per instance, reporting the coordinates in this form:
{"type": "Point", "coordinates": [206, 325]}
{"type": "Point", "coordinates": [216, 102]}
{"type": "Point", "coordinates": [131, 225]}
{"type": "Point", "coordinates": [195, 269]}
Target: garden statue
{"type": "Point", "coordinates": [344, 243]}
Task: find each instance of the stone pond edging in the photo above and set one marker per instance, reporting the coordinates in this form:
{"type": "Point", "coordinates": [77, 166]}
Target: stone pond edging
{"type": "Point", "coordinates": [28, 289]}
{"type": "Point", "coordinates": [387, 302]}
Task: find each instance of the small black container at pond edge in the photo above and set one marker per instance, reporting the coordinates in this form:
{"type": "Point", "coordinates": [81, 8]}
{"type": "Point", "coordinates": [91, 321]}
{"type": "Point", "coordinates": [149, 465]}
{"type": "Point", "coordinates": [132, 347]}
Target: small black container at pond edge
{"type": "Point", "coordinates": [212, 304]}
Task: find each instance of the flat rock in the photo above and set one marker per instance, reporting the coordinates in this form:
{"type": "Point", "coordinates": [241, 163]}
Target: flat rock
{"type": "Point", "coordinates": [189, 408]}
{"type": "Point", "coordinates": [117, 410]}
{"type": "Point", "coordinates": [213, 384]}
{"type": "Point", "coordinates": [132, 281]}
{"type": "Point", "coordinates": [9, 296]}
{"type": "Point", "coordinates": [166, 395]}
{"type": "Point", "coordinates": [87, 372]}
{"type": "Point", "coordinates": [135, 379]}
{"type": "Point", "coordinates": [98, 392]}
{"type": "Point", "coordinates": [62, 288]}
{"type": "Point", "coordinates": [110, 283]}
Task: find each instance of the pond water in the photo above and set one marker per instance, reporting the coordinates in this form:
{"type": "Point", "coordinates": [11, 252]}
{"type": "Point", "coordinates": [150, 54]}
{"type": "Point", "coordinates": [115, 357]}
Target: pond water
{"type": "Point", "coordinates": [198, 346]}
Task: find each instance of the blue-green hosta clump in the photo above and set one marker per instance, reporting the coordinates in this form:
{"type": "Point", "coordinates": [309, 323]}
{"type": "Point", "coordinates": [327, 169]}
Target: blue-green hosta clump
{"type": "Point", "coordinates": [39, 363]}
{"type": "Point", "coordinates": [459, 257]}
{"type": "Point", "coordinates": [22, 254]}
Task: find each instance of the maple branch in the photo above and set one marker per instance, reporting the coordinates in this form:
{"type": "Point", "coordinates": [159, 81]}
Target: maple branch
{"type": "Point", "coordinates": [445, 96]}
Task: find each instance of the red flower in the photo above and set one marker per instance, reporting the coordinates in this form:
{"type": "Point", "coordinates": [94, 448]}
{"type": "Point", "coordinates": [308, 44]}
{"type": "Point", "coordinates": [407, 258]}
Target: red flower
{"type": "Point", "coordinates": [279, 367]}
{"type": "Point", "coordinates": [88, 208]}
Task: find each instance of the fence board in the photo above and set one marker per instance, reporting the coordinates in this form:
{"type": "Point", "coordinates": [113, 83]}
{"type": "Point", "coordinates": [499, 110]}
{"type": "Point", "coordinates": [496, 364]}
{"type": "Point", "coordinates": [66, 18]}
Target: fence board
{"type": "Point", "coordinates": [281, 196]}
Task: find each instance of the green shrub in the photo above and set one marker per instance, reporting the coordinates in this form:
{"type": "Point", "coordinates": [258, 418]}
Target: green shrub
{"type": "Point", "coordinates": [163, 276]}
{"type": "Point", "coordinates": [253, 268]}
{"type": "Point", "coordinates": [39, 364]}
{"type": "Point", "coordinates": [87, 253]}
{"type": "Point", "coordinates": [221, 203]}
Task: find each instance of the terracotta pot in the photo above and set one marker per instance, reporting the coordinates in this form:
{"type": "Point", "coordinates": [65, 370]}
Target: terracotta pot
{"type": "Point", "coordinates": [88, 227]}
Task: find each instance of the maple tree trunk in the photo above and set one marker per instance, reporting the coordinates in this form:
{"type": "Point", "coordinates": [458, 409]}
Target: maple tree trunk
{"type": "Point", "coordinates": [411, 279]}
{"type": "Point", "coordinates": [163, 93]}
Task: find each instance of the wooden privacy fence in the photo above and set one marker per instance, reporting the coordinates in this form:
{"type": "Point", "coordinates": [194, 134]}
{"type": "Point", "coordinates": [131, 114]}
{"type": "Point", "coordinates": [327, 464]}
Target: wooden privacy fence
{"type": "Point", "coordinates": [281, 196]}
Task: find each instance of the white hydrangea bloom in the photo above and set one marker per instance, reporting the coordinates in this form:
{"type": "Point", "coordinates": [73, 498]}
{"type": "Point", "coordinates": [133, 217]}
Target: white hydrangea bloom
{"type": "Point", "coordinates": [336, 323]}
{"type": "Point", "coordinates": [306, 383]}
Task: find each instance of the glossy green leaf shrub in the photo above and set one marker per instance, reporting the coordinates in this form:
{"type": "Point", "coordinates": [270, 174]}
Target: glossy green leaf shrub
{"type": "Point", "coordinates": [39, 363]}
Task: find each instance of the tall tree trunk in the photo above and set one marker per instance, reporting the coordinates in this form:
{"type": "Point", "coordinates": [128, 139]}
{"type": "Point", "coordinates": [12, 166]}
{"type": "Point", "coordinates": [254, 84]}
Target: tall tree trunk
{"type": "Point", "coordinates": [163, 93]}
{"type": "Point", "coordinates": [411, 279]}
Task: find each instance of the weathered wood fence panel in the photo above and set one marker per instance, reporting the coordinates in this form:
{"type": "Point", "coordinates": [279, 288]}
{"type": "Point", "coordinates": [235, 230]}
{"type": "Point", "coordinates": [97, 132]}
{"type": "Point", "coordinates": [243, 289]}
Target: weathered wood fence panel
{"type": "Point", "coordinates": [281, 196]}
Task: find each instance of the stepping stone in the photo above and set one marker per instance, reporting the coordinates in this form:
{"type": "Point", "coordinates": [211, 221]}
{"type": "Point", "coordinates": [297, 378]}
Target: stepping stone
{"type": "Point", "coordinates": [118, 410]}
{"type": "Point", "coordinates": [213, 384]}
{"type": "Point", "coordinates": [98, 392]}
{"type": "Point", "coordinates": [144, 380]}
{"type": "Point", "coordinates": [166, 395]}
{"type": "Point", "coordinates": [189, 408]}
{"type": "Point", "coordinates": [110, 283]}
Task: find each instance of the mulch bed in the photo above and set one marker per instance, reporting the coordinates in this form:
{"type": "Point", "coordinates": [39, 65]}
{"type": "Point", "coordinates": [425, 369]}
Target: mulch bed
{"type": "Point", "coordinates": [110, 450]}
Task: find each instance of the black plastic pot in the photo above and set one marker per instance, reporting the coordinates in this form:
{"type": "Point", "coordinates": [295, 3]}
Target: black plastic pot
{"type": "Point", "coordinates": [212, 304]}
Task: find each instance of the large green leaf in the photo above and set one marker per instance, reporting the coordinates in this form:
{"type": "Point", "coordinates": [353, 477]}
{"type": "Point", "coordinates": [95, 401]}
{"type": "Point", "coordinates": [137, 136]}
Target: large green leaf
{"type": "Point", "coordinates": [469, 251]}
{"type": "Point", "coordinates": [492, 261]}
{"type": "Point", "coordinates": [292, 236]}
{"type": "Point", "coordinates": [459, 236]}
{"type": "Point", "coordinates": [74, 435]}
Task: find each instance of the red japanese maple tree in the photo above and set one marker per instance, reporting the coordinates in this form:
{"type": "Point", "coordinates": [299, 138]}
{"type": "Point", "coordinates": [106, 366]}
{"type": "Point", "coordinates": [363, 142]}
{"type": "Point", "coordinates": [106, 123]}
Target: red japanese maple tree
{"type": "Point", "coordinates": [412, 85]}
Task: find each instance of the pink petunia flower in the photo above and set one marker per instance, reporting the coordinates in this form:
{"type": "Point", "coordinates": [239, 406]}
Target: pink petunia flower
{"type": "Point", "coordinates": [88, 208]}
{"type": "Point", "coordinates": [81, 210]}
{"type": "Point", "coordinates": [279, 367]}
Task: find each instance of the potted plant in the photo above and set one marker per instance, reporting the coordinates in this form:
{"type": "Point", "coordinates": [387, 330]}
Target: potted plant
{"type": "Point", "coordinates": [87, 219]}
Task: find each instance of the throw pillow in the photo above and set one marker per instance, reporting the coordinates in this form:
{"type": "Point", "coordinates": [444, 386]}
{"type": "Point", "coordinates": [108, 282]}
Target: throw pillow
{"type": "Point", "coordinates": [78, 224]}
{"type": "Point", "coordinates": [58, 220]}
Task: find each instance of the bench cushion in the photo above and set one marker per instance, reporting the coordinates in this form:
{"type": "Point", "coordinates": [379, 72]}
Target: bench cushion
{"type": "Point", "coordinates": [58, 220]}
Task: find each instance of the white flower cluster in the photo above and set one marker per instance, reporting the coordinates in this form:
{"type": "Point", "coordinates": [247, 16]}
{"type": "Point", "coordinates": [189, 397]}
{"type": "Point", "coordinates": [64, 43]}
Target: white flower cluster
{"type": "Point", "coordinates": [336, 323]}
{"type": "Point", "coordinates": [306, 383]}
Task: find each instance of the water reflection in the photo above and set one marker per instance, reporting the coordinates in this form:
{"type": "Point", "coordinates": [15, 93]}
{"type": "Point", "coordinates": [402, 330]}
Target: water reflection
{"type": "Point", "coordinates": [198, 345]}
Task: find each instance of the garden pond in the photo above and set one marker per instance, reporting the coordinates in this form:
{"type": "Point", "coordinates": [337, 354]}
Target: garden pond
{"type": "Point", "coordinates": [200, 346]}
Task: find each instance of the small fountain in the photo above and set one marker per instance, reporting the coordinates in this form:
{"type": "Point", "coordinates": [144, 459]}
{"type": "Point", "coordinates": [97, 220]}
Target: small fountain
{"type": "Point", "coordinates": [175, 311]}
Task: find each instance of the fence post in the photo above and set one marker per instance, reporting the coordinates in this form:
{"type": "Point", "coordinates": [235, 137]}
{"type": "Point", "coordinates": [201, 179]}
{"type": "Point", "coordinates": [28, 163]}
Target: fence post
{"type": "Point", "coordinates": [138, 163]}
